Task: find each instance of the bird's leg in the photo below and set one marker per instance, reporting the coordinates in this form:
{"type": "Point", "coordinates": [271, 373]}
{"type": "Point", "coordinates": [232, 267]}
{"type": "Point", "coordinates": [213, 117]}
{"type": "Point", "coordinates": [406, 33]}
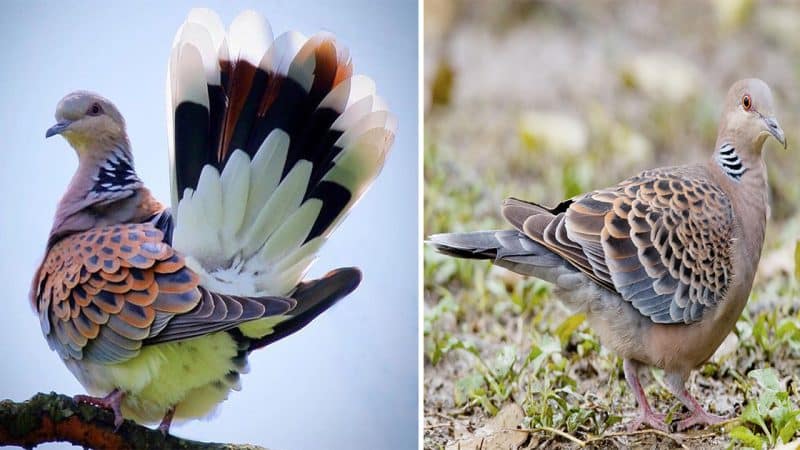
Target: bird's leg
{"type": "Point", "coordinates": [646, 414]}
{"type": "Point", "coordinates": [112, 401]}
{"type": "Point", "coordinates": [163, 427]}
{"type": "Point", "coordinates": [697, 415]}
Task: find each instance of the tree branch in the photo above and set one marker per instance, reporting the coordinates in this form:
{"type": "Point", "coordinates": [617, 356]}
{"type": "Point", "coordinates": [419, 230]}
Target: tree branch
{"type": "Point", "coordinates": [57, 418]}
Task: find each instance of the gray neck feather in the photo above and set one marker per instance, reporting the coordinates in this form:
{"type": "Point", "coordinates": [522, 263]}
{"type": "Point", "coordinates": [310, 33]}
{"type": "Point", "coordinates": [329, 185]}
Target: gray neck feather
{"type": "Point", "coordinates": [99, 181]}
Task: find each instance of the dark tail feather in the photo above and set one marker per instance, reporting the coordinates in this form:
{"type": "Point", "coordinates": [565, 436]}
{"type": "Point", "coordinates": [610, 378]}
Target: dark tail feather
{"type": "Point", "coordinates": [313, 298]}
{"type": "Point", "coordinates": [475, 245]}
{"type": "Point", "coordinates": [507, 248]}
{"type": "Point", "coordinates": [242, 111]}
{"type": "Point", "coordinates": [230, 92]}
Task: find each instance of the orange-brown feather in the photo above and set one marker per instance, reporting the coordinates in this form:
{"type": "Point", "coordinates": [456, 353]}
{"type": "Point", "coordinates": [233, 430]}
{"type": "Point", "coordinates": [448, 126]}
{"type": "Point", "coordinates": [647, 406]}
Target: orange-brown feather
{"type": "Point", "coordinates": [110, 277]}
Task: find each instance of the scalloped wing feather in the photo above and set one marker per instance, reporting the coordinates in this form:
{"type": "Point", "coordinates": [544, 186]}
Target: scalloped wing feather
{"type": "Point", "coordinates": [98, 291]}
{"type": "Point", "coordinates": [662, 240]}
{"type": "Point", "coordinates": [104, 293]}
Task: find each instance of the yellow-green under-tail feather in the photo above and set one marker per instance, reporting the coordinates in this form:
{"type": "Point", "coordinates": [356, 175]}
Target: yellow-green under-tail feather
{"type": "Point", "coordinates": [262, 327]}
{"type": "Point", "coordinates": [194, 375]}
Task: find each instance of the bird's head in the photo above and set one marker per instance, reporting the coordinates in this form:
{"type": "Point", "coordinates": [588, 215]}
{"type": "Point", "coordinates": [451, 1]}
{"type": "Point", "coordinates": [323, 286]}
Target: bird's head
{"type": "Point", "coordinates": [88, 121]}
{"type": "Point", "coordinates": [750, 114]}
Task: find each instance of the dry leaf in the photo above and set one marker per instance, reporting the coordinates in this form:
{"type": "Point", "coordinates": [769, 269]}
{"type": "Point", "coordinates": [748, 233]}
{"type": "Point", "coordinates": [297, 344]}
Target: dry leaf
{"type": "Point", "coordinates": [498, 434]}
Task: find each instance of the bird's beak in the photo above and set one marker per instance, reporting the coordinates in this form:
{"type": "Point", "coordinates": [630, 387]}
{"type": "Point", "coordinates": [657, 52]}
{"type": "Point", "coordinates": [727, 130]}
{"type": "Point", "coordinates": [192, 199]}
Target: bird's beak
{"type": "Point", "coordinates": [775, 129]}
{"type": "Point", "coordinates": [58, 128]}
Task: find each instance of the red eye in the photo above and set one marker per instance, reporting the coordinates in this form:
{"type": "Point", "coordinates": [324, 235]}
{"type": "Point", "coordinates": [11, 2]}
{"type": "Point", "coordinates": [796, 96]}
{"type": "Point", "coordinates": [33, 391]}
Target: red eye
{"type": "Point", "coordinates": [746, 102]}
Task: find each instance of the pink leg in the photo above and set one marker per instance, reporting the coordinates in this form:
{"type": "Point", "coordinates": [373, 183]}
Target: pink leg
{"type": "Point", "coordinates": [697, 415]}
{"type": "Point", "coordinates": [112, 401]}
{"type": "Point", "coordinates": [163, 427]}
{"type": "Point", "coordinates": [646, 414]}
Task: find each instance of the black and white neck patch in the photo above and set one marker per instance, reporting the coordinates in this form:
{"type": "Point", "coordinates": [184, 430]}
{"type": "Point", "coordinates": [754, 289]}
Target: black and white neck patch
{"type": "Point", "coordinates": [730, 162]}
{"type": "Point", "coordinates": [115, 176]}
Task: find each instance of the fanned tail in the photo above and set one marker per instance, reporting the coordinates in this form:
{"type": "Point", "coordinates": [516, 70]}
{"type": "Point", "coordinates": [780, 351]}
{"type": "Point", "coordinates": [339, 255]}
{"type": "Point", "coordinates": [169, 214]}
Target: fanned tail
{"type": "Point", "coordinates": [272, 142]}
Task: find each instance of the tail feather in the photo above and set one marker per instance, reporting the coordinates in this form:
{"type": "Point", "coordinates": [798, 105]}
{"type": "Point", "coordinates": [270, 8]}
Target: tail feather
{"type": "Point", "coordinates": [313, 298]}
{"type": "Point", "coordinates": [272, 142]}
{"type": "Point", "coordinates": [506, 248]}
{"type": "Point", "coordinates": [474, 245]}
{"type": "Point", "coordinates": [258, 321]}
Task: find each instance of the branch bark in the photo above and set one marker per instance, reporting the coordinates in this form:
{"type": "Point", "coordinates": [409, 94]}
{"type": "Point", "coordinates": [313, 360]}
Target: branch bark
{"type": "Point", "coordinates": [57, 418]}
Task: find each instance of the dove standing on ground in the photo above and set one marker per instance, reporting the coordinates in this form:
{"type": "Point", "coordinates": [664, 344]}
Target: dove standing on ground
{"type": "Point", "coordinates": [271, 143]}
{"type": "Point", "coordinates": [662, 264]}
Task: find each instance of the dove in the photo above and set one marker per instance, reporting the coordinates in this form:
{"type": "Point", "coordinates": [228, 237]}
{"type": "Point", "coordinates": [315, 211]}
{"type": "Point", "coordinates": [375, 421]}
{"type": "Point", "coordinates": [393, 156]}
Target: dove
{"type": "Point", "coordinates": [662, 264]}
{"type": "Point", "coordinates": [155, 309]}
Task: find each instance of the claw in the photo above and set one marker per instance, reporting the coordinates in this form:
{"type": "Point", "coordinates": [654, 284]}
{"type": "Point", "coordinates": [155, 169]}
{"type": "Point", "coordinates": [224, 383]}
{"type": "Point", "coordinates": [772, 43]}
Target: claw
{"type": "Point", "coordinates": [112, 401]}
{"type": "Point", "coordinates": [649, 418]}
{"type": "Point", "coordinates": [699, 417]}
{"type": "Point", "coordinates": [163, 427]}
{"type": "Point", "coordinates": [697, 414]}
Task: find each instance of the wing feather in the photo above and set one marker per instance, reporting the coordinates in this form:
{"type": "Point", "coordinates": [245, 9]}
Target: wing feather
{"type": "Point", "coordinates": [104, 319]}
{"type": "Point", "coordinates": [662, 240]}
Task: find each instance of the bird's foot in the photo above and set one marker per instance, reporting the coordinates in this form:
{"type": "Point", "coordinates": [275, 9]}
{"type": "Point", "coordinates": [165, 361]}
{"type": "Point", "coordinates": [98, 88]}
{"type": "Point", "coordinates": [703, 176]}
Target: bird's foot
{"type": "Point", "coordinates": [163, 427]}
{"type": "Point", "coordinates": [652, 419]}
{"type": "Point", "coordinates": [112, 401]}
{"type": "Point", "coordinates": [699, 417]}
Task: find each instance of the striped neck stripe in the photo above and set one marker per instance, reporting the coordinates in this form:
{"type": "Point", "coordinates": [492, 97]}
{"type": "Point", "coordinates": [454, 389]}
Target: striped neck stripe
{"type": "Point", "coordinates": [116, 174]}
{"type": "Point", "coordinates": [729, 161]}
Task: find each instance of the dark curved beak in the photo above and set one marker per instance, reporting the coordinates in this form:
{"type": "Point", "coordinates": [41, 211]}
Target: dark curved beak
{"type": "Point", "coordinates": [58, 128]}
{"type": "Point", "coordinates": [775, 129]}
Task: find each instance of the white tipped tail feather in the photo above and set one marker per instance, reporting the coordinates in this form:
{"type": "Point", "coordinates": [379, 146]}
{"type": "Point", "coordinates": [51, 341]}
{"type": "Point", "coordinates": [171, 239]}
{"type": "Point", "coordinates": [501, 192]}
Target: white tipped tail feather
{"type": "Point", "coordinates": [271, 144]}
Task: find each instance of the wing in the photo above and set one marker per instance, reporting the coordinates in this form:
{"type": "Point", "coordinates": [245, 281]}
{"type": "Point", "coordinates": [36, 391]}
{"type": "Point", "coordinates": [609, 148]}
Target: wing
{"type": "Point", "coordinates": [103, 293]}
{"type": "Point", "coordinates": [662, 240]}
{"type": "Point", "coordinates": [272, 142]}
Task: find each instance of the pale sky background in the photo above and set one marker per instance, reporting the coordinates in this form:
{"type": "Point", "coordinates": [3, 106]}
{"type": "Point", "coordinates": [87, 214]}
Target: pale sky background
{"type": "Point", "coordinates": [348, 380]}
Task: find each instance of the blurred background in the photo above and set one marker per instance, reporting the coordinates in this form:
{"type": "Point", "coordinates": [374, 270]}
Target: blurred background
{"type": "Point", "coordinates": [544, 100]}
{"type": "Point", "coordinates": [349, 379]}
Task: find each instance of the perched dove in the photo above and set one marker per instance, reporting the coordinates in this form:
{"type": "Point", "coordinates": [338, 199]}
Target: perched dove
{"type": "Point", "coordinates": [271, 143]}
{"type": "Point", "coordinates": [662, 263]}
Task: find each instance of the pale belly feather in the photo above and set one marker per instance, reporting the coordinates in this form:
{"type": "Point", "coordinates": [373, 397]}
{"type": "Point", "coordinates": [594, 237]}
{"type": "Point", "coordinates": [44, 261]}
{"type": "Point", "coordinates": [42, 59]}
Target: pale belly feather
{"type": "Point", "coordinates": [194, 375]}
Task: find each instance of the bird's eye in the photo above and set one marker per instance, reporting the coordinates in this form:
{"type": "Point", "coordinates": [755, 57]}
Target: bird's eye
{"type": "Point", "coordinates": [746, 102]}
{"type": "Point", "coordinates": [95, 109]}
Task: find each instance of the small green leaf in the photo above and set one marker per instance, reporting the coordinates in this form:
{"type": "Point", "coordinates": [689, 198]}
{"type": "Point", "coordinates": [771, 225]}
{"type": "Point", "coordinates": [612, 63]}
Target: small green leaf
{"type": "Point", "coordinates": [761, 332]}
{"type": "Point", "coordinates": [752, 415]}
{"type": "Point", "coordinates": [767, 378]}
{"type": "Point", "coordinates": [486, 403]}
{"type": "Point", "coordinates": [744, 435]}
{"type": "Point", "coordinates": [790, 429]}
{"type": "Point", "coordinates": [550, 344]}
{"type": "Point", "coordinates": [612, 420]}
{"type": "Point", "coordinates": [467, 387]}
{"type": "Point", "coordinates": [538, 354]}
{"type": "Point", "coordinates": [449, 343]}
{"type": "Point", "coordinates": [470, 347]}
{"type": "Point", "coordinates": [568, 326]}
{"type": "Point", "coordinates": [504, 361]}
{"type": "Point", "coordinates": [797, 261]}
{"type": "Point", "coordinates": [788, 330]}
